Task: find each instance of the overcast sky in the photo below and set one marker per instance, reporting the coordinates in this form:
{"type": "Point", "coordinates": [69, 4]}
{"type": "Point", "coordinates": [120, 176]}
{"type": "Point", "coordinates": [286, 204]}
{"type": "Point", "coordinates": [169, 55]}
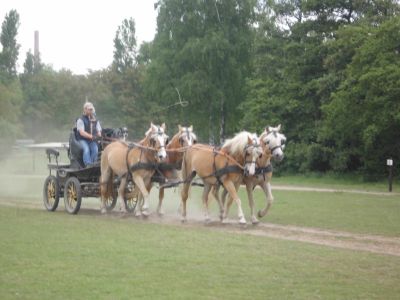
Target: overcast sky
{"type": "Point", "coordinates": [77, 34]}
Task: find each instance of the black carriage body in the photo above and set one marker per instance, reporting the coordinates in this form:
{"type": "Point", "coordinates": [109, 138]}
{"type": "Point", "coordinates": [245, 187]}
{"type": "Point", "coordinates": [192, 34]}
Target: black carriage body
{"type": "Point", "coordinates": [89, 178]}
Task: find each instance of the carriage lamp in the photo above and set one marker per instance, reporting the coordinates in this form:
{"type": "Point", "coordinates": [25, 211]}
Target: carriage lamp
{"type": "Point", "coordinates": [389, 163]}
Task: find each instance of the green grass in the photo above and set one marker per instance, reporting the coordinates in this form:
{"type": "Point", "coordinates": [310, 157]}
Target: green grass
{"type": "Point", "coordinates": [339, 181]}
{"type": "Point", "coordinates": [57, 256]}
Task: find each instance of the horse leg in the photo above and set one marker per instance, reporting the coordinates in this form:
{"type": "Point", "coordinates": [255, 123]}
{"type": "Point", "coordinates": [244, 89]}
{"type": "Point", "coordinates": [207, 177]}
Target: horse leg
{"type": "Point", "coordinates": [184, 197]}
{"type": "Point", "coordinates": [104, 183]}
{"type": "Point", "coordinates": [215, 192]}
{"type": "Point", "coordinates": [145, 194]}
{"type": "Point", "coordinates": [231, 188]}
{"type": "Point", "coordinates": [206, 191]}
{"type": "Point", "coordinates": [160, 211]}
{"type": "Point", "coordinates": [249, 189]}
{"type": "Point", "coordinates": [139, 204]}
{"type": "Point", "coordinates": [121, 194]}
{"type": "Point", "coordinates": [266, 186]}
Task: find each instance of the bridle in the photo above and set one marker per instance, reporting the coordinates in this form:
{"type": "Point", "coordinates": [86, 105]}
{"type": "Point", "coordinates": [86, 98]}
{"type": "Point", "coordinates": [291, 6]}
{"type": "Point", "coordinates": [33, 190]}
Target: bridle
{"type": "Point", "coordinates": [254, 144]}
{"type": "Point", "coordinates": [153, 139]}
{"type": "Point", "coordinates": [277, 146]}
{"type": "Point", "coordinates": [188, 135]}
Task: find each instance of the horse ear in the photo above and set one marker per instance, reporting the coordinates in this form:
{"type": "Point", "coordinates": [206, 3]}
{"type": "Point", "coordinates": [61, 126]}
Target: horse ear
{"type": "Point", "coordinates": [278, 128]}
{"type": "Point", "coordinates": [180, 127]}
{"type": "Point", "coordinates": [191, 128]}
{"type": "Point", "coordinates": [268, 129]}
{"type": "Point", "coordinates": [249, 140]}
{"type": "Point", "coordinates": [163, 126]}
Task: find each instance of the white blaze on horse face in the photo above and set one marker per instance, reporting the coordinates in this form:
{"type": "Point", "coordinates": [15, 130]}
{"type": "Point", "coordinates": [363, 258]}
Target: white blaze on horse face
{"type": "Point", "coordinates": [187, 136]}
{"type": "Point", "coordinates": [162, 153]}
{"type": "Point", "coordinates": [254, 151]}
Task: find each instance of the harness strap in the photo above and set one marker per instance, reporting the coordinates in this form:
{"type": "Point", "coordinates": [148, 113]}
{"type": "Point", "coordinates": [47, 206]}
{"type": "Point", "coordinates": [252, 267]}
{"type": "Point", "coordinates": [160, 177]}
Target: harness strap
{"type": "Point", "coordinates": [142, 166]}
{"type": "Point", "coordinates": [263, 170]}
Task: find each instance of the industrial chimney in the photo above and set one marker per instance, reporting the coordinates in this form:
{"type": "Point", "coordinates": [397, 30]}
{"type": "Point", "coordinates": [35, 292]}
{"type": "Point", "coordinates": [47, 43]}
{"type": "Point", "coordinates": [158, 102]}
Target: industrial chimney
{"type": "Point", "coordinates": [36, 50]}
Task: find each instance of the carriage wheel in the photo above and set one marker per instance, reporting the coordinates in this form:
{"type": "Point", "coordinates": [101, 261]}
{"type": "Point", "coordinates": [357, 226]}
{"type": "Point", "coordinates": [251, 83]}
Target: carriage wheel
{"type": "Point", "coordinates": [51, 193]}
{"type": "Point", "coordinates": [72, 195]}
{"type": "Point", "coordinates": [112, 200]}
{"type": "Point", "coordinates": [130, 201]}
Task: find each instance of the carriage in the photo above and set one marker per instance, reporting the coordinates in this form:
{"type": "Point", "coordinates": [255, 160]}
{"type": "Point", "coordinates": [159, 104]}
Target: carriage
{"type": "Point", "coordinates": [73, 181]}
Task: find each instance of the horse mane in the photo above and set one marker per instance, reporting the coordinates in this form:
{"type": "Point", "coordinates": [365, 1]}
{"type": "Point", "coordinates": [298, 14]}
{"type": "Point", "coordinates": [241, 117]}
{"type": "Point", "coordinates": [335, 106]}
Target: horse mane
{"type": "Point", "coordinates": [236, 145]}
{"type": "Point", "coordinates": [173, 140]}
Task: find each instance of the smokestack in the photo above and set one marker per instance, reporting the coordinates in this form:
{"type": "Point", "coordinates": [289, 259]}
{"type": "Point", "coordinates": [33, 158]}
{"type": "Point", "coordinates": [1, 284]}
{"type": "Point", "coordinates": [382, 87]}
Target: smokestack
{"type": "Point", "coordinates": [36, 50]}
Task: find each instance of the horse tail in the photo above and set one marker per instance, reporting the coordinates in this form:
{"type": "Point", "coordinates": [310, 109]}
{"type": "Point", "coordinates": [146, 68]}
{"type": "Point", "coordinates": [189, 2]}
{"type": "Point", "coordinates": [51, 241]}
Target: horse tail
{"type": "Point", "coordinates": [106, 177]}
{"type": "Point", "coordinates": [110, 185]}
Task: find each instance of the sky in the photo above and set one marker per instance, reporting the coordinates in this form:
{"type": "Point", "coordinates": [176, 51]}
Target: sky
{"type": "Point", "coordinates": [77, 34]}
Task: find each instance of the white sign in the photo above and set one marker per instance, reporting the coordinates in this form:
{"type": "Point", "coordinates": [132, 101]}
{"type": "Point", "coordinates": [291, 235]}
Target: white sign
{"type": "Point", "coordinates": [389, 162]}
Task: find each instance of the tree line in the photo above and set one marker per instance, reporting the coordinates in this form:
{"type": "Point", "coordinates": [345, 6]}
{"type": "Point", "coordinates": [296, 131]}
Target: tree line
{"type": "Point", "coordinates": [328, 71]}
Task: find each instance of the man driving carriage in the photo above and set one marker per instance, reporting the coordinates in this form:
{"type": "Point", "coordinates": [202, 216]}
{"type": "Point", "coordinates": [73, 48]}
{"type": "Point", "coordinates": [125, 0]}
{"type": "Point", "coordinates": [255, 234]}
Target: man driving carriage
{"type": "Point", "coordinates": [88, 129]}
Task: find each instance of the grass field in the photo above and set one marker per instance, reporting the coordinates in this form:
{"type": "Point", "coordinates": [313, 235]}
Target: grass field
{"type": "Point", "coordinates": [88, 256]}
{"type": "Point", "coordinates": [56, 256]}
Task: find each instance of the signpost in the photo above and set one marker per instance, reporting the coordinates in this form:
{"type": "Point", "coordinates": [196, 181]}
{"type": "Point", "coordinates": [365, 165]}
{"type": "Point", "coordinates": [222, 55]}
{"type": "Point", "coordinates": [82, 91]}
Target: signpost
{"type": "Point", "coordinates": [389, 163]}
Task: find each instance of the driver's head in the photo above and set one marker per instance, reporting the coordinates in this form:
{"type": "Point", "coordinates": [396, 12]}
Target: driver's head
{"type": "Point", "coordinates": [88, 109]}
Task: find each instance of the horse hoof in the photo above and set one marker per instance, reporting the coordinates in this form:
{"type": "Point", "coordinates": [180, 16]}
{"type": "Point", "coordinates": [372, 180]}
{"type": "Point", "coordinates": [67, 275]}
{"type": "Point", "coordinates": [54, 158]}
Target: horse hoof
{"type": "Point", "coordinates": [160, 214]}
{"type": "Point", "coordinates": [145, 213]}
{"type": "Point", "coordinates": [255, 222]}
{"type": "Point", "coordinates": [183, 220]}
{"type": "Point", "coordinates": [242, 221]}
{"type": "Point", "coordinates": [138, 214]}
{"type": "Point", "coordinates": [103, 211]}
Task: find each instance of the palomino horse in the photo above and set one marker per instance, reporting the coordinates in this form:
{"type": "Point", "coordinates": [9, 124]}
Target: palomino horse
{"type": "Point", "coordinates": [175, 149]}
{"type": "Point", "coordinates": [273, 144]}
{"type": "Point", "coordinates": [136, 160]}
{"type": "Point", "coordinates": [223, 166]}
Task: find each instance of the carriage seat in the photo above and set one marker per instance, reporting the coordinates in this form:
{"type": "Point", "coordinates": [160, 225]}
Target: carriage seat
{"type": "Point", "coordinates": [75, 152]}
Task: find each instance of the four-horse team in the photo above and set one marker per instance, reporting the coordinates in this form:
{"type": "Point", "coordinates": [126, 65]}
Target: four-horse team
{"type": "Point", "coordinates": [128, 170]}
{"type": "Point", "coordinates": [244, 159]}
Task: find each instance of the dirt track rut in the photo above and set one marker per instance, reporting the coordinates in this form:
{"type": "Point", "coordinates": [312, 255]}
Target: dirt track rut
{"type": "Point", "coordinates": [337, 239]}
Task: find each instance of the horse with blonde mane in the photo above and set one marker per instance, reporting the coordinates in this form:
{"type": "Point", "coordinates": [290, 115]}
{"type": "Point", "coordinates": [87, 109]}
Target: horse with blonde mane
{"type": "Point", "coordinates": [273, 143]}
{"type": "Point", "coordinates": [136, 161]}
{"type": "Point", "coordinates": [176, 148]}
{"type": "Point", "coordinates": [225, 166]}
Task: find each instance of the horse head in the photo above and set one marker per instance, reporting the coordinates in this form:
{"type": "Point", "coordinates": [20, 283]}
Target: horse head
{"type": "Point", "coordinates": [158, 140]}
{"type": "Point", "coordinates": [252, 152]}
{"type": "Point", "coordinates": [186, 136]}
{"type": "Point", "coordinates": [244, 147]}
{"type": "Point", "coordinates": [274, 141]}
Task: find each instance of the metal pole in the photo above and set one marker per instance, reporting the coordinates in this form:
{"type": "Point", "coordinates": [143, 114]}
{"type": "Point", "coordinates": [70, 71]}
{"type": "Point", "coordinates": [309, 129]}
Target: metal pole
{"type": "Point", "coordinates": [390, 178]}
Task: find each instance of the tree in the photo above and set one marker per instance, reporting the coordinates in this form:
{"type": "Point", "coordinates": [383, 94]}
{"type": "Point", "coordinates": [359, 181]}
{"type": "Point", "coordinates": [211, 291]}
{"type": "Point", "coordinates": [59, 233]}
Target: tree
{"type": "Point", "coordinates": [302, 52]}
{"type": "Point", "coordinates": [363, 119]}
{"type": "Point", "coordinates": [201, 54]}
{"type": "Point", "coordinates": [125, 46]}
{"type": "Point", "coordinates": [8, 39]}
